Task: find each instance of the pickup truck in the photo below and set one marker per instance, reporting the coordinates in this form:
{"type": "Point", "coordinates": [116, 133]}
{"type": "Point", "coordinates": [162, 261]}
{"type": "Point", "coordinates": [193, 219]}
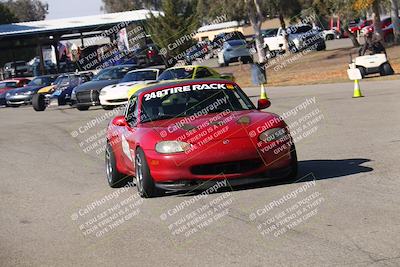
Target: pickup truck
{"type": "Point", "coordinates": [300, 37]}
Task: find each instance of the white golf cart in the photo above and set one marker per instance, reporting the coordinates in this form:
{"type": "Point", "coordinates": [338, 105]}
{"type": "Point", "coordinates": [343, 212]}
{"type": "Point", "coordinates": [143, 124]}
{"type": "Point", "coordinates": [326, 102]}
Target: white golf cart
{"type": "Point", "coordinates": [371, 64]}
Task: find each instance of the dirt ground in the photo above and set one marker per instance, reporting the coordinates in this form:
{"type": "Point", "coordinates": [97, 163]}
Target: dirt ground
{"type": "Point", "coordinates": [310, 68]}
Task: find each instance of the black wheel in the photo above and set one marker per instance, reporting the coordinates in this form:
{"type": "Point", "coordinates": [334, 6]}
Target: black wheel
{"type": "Point", "coordinates": [386, 69]}
{"type": "Point", "coordinates": [362, 71]}
{"type": "Point", "coordinates": [108, 107]}
{"type": "Point", "coordinates": [294, 163]}
{"type": "Point", "coordinates": [144, 181]}
{"type": "Point", "coordinates": [114, 177]}
{"type": "Point", "coordinates": [82, 108]}
{"type": "Point", "coordinates": [39, 102]}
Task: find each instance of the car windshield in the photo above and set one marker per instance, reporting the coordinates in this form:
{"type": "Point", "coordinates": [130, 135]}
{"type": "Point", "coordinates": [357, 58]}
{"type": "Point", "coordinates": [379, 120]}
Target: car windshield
{"type": "Point", "coordinates": [111, 74]}
{"type": "Point", "coordinates": [236, 42]}
{"type": "Point", "coordinates": [40, 81]}
{"type": "Point", "coordinates": [197, 99]}
{"type": "Point", "coordinates": [303, 29]}
{"type": "Point", "coordinates": [8, 84]}
{"type": "Point", "coordinates": [270, 33]}
{"type": "Point", "coordinates": [177, 74]}
{"type": "Point", "coordinates": [148, 75]}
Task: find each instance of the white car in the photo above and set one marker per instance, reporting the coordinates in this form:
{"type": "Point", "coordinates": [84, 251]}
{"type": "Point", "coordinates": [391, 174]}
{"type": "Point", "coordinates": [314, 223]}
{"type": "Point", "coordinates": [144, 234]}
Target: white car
{"type": "Point", "coordinates": [117, 94]}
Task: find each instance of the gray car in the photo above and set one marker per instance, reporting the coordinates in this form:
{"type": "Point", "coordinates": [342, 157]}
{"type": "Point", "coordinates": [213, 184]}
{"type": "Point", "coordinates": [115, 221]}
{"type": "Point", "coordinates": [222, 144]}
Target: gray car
{"type": "Point", "coordinates": [234, 51]}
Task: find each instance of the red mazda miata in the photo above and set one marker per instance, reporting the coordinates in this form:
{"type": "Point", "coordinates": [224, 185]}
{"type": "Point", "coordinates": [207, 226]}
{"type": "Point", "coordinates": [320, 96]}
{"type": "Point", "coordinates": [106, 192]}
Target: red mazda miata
{"type": "Point", "coordinates": [183, 135]}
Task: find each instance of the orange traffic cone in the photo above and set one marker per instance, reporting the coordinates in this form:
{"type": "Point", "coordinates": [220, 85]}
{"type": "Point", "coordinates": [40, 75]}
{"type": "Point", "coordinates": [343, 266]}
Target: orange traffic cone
{"type": "Point", "coordinates": [357, 90]}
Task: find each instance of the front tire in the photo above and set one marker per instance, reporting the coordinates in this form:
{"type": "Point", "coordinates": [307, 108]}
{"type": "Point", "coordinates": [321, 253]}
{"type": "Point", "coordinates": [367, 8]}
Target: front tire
{"type": "Point", "coordinates": [39, 102]}
{"type": "Point", "coordinates": [386, 69]}
{"type": "Point", "coordinates": [82, 108]}
{"type": "Point", "coordinates": [114, 177]}
{"type": "Point", "coordinates": [144, 181]}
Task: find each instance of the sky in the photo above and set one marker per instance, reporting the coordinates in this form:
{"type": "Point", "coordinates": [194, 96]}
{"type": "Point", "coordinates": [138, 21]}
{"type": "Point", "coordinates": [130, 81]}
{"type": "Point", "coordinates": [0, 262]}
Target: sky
{"type": "Point", "coordinates": [73, 8]}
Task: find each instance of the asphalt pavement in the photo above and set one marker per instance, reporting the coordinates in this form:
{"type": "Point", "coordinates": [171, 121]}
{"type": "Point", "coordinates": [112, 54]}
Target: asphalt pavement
{"type": "Point", "coordinates": [57, 209]}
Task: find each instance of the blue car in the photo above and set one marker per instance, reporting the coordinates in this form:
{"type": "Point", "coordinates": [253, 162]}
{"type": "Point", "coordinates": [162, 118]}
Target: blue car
{"type": "Point", "coordinates": [61, 93]}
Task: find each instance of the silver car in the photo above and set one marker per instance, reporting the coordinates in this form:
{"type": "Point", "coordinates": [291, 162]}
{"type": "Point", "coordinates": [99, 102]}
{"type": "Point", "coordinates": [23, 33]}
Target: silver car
{"type": "Point", "coordinates": [234, 51]}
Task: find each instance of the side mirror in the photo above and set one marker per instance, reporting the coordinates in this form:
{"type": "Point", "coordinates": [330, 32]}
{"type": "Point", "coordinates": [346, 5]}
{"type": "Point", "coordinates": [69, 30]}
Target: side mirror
{"type": "Point", "coordinates": [263, 104]}
{"type": "Point", "coordinates": [119, 121]}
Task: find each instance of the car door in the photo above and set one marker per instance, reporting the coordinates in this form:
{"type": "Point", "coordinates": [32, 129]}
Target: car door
{"type": "Point", "coordinates": [128, 140]}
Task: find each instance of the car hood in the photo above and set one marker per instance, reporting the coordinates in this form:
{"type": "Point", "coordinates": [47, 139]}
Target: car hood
{"type": "Point", "coordinates": [26, 89]}
{"type": "Point", "coordinates": [94, 85]}
{"type": "Point", "coordinates": [223, 125]}
{"type": "Point", "coordinates": [122, 87]}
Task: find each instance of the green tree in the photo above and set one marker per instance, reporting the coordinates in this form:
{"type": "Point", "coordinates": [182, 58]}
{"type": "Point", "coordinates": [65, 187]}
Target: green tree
{"type": "Point", "coordinates": [173, 30]}
{"type": "Point", "coordinates": [6, 15]}
{"type": "Point", "coordinates": [28, 10]}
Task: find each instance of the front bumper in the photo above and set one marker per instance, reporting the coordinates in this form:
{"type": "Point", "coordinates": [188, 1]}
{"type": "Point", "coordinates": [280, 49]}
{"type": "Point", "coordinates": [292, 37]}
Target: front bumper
{"type": "Point", "coordinates": [113, 100]}
{"type": "Point", "coordinates": [239, 159]}
{"type": "Point", "coordinates": [87, 98]}
{"type": "Point", "coordinates": [19, 99]}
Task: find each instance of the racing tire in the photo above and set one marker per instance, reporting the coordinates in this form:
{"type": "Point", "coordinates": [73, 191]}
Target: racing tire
{"type": "Point", "coordinates": [39, 102]}
{"type": "Point", "coordinates": [83, 108]}
{"type": "Point", "coordinates": [115, 179]}
{"type": "Point", "coordinates": [294, 165]}
{"type": "Point", "coordinates": [362, 71]}
{"type": "Point", "coordinates": [386, 69]}
{"type": "Point", "coordinates": [108, 107]}
{"type": "Point", "coordinates": [144, 182]}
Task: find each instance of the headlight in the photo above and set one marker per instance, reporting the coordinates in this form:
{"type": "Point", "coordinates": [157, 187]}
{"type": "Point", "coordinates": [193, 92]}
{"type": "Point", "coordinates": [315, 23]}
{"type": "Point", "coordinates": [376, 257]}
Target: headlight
{"type": "Point", "coordinates": [273, 134]}
{"type": "Point", "coordinates": [103, 92]}
{"type": "Point", "coordinates": [8, 94]}
{"type": "Point", "coordinates": [168, 147]}
{"type": "Point", "coordinates": [28, 93]}
{"type": "Point", "coordinates": [73, 95]}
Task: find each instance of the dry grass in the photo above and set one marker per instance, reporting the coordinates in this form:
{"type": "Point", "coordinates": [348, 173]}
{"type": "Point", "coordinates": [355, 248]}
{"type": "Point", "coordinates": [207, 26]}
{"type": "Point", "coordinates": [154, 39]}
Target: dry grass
{"type": "Point", "coordinates": [312, 68]}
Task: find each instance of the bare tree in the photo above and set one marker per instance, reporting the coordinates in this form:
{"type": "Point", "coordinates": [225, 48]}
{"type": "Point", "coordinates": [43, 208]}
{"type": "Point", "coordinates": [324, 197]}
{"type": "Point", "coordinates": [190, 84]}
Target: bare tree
{"type": "Point", "coordinates": [376, 9]}
{"type": "Point", "coordinates": [256, 19]}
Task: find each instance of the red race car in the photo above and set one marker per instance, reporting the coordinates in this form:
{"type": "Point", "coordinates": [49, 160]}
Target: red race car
{"type": "Point", "coordinates": [180, 135]}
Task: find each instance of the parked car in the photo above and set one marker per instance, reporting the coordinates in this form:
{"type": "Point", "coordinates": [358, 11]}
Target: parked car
{"type": "Point", "coordinates": [234, 51]}
{"type": "Point", "coordinates": [60, 93]}
{"type": "Point", "coordinates": [358, 24]}
{"type": "Point", "coordinates": [16, 69]}
{"type": "Point", "coordinates": [23, 96]}
{"type": "Point", "coordinates": [385, 22]}
{"type": "Point", "coordinates": [87, 94]}
{"type": "Point", "coordinates": [198, 50]}
{"type": "Point", "coordinates": [8, 85]}
{"type": "Point", "coordinates": [117, 94]}
{"type": "Point", "coordinates": [300, 37]}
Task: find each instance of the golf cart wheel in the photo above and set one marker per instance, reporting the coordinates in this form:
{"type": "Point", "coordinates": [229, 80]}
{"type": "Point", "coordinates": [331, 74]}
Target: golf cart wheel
{"type": "Point", "coordinates": [39, 102]}
{"type": "Point", "coordinates": [144, 182]}
{"type": "Point", "coordinates": [386, 69]}
{"type": "Point", "coordinates": [82, 108]}
{"type": "Point", "coordinates": [114, 177]}
{"type": "Point", "coordinates": [362, 71]}
{"type": "Point", "coordinates": [108, 107]}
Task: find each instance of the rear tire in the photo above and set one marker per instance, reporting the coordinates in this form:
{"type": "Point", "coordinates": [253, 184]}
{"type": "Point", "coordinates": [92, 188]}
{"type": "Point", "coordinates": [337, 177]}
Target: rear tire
{"type": "Point", "coordinates": [39, 102]}
{"type": "Point", "coordinates": [82, 108]}
{"type": "Point", "coordinates": [114, 177]}
{"type": "Point", "coordinates": [386, 69]}
{"type": "Point", "coordinates": [144, 181]}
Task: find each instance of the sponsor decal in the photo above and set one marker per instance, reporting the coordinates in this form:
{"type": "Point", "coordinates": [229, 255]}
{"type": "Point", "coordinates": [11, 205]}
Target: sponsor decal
{"type": "Point", "coordinates": [186, 88]}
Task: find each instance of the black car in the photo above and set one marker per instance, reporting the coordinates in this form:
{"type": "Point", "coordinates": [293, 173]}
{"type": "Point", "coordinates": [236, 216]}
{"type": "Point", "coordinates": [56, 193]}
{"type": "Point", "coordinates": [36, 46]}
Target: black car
{"type": "Point", "coordinates": [21, 96]}
{"type": "Point", "coordinates": [86, 95]}
{"type": "Point", "coordinates": [16, 69]}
